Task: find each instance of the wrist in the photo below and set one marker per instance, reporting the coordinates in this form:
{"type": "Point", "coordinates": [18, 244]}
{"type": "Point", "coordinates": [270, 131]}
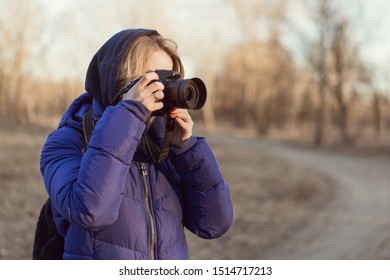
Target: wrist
{"type": "Point", "coordinates": [137, 108]}
{"type": "Point", "coordinates": [184, 146]}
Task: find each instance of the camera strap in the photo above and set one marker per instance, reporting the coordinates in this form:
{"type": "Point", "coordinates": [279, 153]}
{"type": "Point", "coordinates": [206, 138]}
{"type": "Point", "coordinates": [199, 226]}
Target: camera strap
{"type": "Point", "coordinates": [167, 137]}
{"type": "Point", "coordinates": [158, 155]}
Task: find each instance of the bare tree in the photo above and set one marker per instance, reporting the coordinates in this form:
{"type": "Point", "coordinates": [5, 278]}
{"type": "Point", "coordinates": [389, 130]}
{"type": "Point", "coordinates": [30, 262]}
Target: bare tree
{"type": "Point", "coordinates": [342, 64]}
{"type": "Point", "coordinates": [258, 71]}
{"type": "Point", "coordinates": [257, 84]}
{"type": "Point", "coordinates": [335, 61]}
{"type": "Point", "coordinates": [317, 56]}
{"type": "Point", "coordinates": [16, 41]}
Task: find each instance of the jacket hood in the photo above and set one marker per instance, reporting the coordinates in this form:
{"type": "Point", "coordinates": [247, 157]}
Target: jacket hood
{"type": "Point", "coordinates": [103, 70]}
{"type": "Point", "coordinates": [74, 114]}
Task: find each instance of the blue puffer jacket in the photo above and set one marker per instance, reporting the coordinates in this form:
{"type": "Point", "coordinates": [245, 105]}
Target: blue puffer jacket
{"type": "Point", "coordinates": [118, 202]}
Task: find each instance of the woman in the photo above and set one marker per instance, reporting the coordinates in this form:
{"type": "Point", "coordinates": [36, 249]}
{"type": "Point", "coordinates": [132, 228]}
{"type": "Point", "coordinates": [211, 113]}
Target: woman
{"type": "Point", "coordinates": [112, 199]}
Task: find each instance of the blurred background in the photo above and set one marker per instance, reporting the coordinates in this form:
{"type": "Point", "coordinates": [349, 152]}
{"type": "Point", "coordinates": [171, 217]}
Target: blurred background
{"type": "Point", "coordinates": [301, 67]}
{"type": "Point", "coordinates": [298, 113]}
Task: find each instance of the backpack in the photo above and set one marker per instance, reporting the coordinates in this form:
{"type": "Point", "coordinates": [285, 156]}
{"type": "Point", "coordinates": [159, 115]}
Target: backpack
{"type": "Point", "coordinates": [48, 242]}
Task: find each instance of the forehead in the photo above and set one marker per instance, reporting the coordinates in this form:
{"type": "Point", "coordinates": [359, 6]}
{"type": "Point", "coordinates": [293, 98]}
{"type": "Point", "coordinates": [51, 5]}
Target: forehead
{"type": "Point", "coordinates": [158, 59]}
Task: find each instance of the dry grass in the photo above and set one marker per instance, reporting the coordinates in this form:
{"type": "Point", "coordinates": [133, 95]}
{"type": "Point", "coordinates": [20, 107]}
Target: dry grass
{"type": "Point", "coordinates": [21, 191]}
{"type": "Point", "coordinates": [271, 198]}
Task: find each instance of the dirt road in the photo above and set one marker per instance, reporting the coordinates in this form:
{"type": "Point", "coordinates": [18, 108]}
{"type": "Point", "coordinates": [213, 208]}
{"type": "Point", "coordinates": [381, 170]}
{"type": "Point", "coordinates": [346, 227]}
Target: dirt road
{"type": "Point", "coordinates": [356, 222]}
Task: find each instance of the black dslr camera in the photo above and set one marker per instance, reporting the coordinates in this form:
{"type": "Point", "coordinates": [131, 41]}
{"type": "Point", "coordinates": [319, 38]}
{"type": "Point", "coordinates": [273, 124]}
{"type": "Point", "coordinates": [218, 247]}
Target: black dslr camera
{"type": "Point", "coordinates": [179, 93]}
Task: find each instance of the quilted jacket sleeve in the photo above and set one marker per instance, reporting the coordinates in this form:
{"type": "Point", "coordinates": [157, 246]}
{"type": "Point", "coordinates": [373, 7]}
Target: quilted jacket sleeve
{"type": "Point", "coordinates": [86, 189]}
{"type": "Point", "coordinates": [208, 206]}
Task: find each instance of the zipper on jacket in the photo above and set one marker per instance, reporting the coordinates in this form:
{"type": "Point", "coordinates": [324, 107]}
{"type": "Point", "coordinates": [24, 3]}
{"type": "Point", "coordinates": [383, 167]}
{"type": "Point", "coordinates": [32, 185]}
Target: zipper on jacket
{"type": "Point", "coordinates": [148, 209]}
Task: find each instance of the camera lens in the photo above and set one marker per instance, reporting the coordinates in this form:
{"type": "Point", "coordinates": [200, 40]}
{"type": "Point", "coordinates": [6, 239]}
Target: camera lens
{"type": "Point", "coordinates": [186, 94]}
{"type": "Point", "coordinates": [191, 95]}
{"type": "Point", "coordinates": [198, 93]}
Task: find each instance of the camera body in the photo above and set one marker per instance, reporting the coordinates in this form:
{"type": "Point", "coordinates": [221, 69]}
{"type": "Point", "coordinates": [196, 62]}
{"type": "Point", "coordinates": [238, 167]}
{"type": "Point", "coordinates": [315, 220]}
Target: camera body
{"type": "Point", "coordinates": [179, 93]}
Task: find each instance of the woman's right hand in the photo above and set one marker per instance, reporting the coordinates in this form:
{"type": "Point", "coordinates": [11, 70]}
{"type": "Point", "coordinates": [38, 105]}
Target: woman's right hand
{"type": "Point", "coordinates": [149, 91]}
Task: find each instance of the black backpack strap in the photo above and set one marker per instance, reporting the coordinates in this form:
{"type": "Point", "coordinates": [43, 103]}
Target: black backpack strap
{"type": "Point", "coordinates": [88, 126]}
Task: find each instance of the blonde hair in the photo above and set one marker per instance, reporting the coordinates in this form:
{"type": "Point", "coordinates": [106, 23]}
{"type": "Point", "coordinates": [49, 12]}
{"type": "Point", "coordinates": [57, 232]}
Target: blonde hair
{"type": "Point", "coordinates": [134, 63]}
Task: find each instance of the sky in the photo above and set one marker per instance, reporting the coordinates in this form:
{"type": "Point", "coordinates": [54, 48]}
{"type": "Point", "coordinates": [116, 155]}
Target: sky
{"type": "Point", "coordinates": [73, 30]}
{"type": "Point", "coordinates": [190, 28]}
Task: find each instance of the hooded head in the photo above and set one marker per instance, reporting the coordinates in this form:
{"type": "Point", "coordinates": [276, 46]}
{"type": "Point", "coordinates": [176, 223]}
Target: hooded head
{"type": "Point", "coordinates": [109, 69]}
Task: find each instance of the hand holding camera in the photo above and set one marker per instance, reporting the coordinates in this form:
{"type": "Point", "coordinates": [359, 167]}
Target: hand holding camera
{"type": "Point", "coordinates": [183, 130]}
{"type": "Point", "coordinates": [162, 90]}
{"type": "Point", "coordinates": [147, 90]}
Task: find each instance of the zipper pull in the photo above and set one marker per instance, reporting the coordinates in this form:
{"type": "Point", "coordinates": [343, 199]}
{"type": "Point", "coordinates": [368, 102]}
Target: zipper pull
{"type": "Point", "coordinates": [143, 169]}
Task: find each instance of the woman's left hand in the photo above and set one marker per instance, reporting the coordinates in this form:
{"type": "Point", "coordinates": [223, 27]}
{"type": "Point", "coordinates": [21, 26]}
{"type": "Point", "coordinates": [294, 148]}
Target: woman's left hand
{"type": "Point", "coordinates": [182, 126]}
